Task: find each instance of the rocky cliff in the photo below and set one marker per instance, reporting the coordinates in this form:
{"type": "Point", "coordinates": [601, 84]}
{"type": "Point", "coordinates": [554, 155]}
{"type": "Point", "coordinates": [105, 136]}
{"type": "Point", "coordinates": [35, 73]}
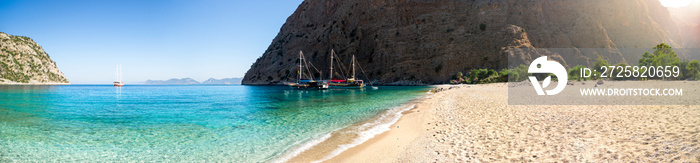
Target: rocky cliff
{"type": "Point", "coordinates": [426, 42]}
{"type": "Point", "coordinates": [23, 61]}
{"type": "Point", "coordinates": [688, 21]}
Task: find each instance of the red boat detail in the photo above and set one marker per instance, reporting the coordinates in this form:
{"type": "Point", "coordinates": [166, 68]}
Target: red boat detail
{"type": "Point", "coordinates": [337, 80]}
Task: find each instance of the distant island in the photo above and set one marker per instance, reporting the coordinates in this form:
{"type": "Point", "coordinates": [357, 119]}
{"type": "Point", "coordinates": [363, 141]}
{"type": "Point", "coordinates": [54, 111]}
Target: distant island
{"type": "Point", "coordinates": [190, 81]}
{"type": "Point", "coordinates": [224, 81]}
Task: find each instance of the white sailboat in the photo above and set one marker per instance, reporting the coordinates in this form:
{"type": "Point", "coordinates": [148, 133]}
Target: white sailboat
{"type": "Point", "coordinates": [308, 83]}
{"type": "Point", "coordinates": [118, 77]}
{"type": "Point", "coordinates": [348, 82]}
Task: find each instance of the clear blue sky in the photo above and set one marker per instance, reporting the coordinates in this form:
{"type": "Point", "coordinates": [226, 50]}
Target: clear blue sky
{"type": "Point", "coordinates": [152, 39]}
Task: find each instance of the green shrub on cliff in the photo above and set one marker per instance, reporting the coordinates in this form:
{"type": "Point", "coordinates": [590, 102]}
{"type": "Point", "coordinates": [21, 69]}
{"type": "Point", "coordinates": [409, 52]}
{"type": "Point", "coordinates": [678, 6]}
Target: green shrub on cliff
{"type": "Point", "coordinates": [693, 68]}
{"type": "Point", "coordinates": [600, 62]}
{"type": "Point", "coordinates": [521, 71]}
{"type": "Point", "coordinates": [483, 76]}
{"type": "Point", "coordinates": [614, 76]}
{"type": "Point", "coordinates": [575, 73]}
{"type": "Point", "coordinates": [663, 55]}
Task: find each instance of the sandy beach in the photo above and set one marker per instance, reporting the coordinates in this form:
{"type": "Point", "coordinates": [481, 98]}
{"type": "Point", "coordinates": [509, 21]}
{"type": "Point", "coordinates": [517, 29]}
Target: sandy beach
{"type": "Point", "coordinates": [474, 123]}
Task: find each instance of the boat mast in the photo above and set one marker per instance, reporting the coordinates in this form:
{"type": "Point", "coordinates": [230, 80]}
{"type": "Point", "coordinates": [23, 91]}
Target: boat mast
{"type": "Point", "coordinates": [118, 75]}
{"type": "Point", "coordinates": [300, 71]}
{"type": "Point", "coordinates": [121, 74]}
{"type": "Point", "coordinates": [332, 53]}
{"type": "Point", "coordinates": [353, 67]}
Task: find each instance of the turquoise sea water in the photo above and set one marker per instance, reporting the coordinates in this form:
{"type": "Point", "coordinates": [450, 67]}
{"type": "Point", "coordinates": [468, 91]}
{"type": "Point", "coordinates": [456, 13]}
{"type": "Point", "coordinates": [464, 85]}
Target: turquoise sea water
{"type": "Point", "coordinates": [85, 123]}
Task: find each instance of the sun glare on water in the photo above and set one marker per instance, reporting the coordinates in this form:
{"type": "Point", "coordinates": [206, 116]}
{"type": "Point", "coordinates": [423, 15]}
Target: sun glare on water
{"type": "Point", "coordinates": [675, 3]}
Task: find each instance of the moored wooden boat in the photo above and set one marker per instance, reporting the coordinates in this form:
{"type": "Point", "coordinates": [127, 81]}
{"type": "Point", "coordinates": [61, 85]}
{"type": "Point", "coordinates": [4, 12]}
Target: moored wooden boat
{"type": "Point", "coordinates": [345, 83]}
{"type": "Point", "coordinates": [306, 83]}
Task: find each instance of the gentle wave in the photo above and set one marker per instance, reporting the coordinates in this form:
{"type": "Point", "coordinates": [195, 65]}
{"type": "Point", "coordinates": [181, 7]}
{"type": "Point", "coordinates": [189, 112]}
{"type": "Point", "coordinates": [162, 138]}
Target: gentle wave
{"type": "Point", "coordinates": [301, 148]}
{"type": "Point", "coordinates": [369, 130]}
{"type": "Point", "coordinates": [365, 132]}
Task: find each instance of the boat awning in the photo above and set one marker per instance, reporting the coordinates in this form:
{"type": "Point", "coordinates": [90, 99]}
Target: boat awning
{"type": "Point", "coordinates": [337, 80]}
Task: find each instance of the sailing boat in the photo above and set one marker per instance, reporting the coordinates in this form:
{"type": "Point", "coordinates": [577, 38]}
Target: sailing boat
{"type": "Point", "coordinates": [307, 83]}
{"type": "Point", "coordinates": [118, 77]}
{"type": "Point", "coordinates": [349, 82]}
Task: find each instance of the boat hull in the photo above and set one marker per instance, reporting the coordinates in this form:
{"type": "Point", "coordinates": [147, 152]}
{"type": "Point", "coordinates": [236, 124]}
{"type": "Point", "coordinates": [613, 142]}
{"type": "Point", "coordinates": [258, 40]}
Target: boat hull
{"type": "Point", "coordinates": [347, 85]}
{"type": "Point", "coordinates": [312, 85]}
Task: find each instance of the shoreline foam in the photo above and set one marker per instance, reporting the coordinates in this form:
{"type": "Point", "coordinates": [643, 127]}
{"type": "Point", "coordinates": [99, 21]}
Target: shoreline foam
{"type": "Point", "coordinates": [376, 128]}
{"type": "Point", "coordinates": [361, 132]}
{"type": "Point", "coordinates": [300, 147]}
